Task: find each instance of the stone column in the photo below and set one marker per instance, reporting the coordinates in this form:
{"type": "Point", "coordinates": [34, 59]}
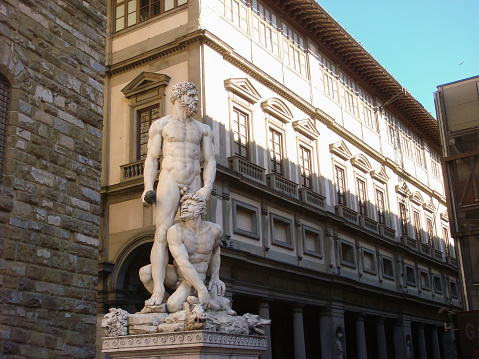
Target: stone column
{"type": "Point", "coordinates": [361, 338]}
{"type": "Point", "coordinates": [298, 328]}
{"type": "Point", "coordinates": [381, 338]}
{"type": "Point", "coordinates": [421, 342]}
{"type": "Point", "coordinates": [436, 353]}
{"type": "Point", "coordinates": [331, 320]}
{"type": "Point", "coordinates": [399, 340]}
{"type": "Point", "coordinates": [263, 311]}
{"type": "Point", "coordinates": [448, 343]}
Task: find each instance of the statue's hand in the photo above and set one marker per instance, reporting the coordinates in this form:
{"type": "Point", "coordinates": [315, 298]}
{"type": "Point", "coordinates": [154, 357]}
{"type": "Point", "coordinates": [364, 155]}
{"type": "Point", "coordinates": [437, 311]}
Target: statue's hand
{"type": "Point", "coordinates": [204, 297]}
{"type": "Point", "coordinates": [203, 192]}
{"type": "Point", "coordinates": [148, 197]}
{"type": "Point", "coordinates": [220, 286]}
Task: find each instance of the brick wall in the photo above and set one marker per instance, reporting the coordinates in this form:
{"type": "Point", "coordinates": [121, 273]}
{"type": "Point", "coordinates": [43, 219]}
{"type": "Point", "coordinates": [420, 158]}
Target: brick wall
{"type": "Point", "coordinates": [52, 54]}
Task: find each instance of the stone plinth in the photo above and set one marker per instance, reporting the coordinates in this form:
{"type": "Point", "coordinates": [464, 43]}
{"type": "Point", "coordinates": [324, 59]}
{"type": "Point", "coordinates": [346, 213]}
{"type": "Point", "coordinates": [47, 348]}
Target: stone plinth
{"type": "Point", "coordinates": [186, 345]}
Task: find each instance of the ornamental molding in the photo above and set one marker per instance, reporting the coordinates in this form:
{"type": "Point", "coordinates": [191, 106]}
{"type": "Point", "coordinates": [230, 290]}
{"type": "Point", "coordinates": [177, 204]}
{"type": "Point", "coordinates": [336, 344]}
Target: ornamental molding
{"type": "Point", "coordinates": [403, 189]}
{"type": "Point", "coordinates": [341, 150]}
{"type": "Point", "coordinates": [361, 163]}
{"type": "Point", "coordinates": [278, 109]}
{"type": "Point", "coordinates": [144, 82]}
{"type": "Point", "coordinates": [379, 174]}
{"type": "Point", "coordinates": [243, 88]}
{"type": "Point", "coordinates": [416, 198]}
{"type": "Point", "coordinates": [306, 128]}
{"type": "Point", "coordinates": [429, 206]}
{"type": "Point", "coordinates": [445, 216]}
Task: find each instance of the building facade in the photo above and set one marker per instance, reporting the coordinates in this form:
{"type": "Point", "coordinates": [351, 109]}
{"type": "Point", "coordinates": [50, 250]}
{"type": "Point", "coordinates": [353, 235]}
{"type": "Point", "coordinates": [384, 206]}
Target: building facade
{"type": "Point", "coordinates": [328, 186]}
{"type": "Point", "coordinates": [52, 56]}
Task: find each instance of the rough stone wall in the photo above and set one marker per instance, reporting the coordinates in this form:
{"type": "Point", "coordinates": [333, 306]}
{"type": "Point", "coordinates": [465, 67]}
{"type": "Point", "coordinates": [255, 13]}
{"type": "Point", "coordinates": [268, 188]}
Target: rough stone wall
{"type": "Point", "coordinates": [52, 52]}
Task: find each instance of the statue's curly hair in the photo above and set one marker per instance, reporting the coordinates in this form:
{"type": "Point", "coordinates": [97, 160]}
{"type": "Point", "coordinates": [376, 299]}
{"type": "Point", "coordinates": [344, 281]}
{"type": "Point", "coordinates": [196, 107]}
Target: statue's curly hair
{"type": "Point", "coordinates": [180, 89]}
{"type": "Point", "coordinates": [116, 322]}
{"type": "Point", "coordinates": [201, 201]}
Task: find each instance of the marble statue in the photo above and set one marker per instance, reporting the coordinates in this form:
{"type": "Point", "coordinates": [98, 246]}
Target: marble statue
{"type": "Point", "coordinates": [180, 139]}
{"type": "Point", "coordinates": [195, 247]}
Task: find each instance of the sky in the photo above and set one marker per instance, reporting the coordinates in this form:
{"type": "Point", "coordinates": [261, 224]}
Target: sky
{"type": "Point", "coordinates": [421, 43]}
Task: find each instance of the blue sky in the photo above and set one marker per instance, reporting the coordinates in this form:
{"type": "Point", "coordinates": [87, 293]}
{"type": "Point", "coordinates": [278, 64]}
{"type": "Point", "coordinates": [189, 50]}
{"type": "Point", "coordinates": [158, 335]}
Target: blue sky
{"type": "Point", "coordinates": [422, 43]}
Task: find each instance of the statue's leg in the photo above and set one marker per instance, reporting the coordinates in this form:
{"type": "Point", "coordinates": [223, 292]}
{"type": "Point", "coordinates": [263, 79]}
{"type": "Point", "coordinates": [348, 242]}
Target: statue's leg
{"type": "Point", "coordinates": [171, 276]}
{"type": "Point", "coordinates": [168, 197]}
{"type": "Point", "coordinates": [175, 302]}
{"type": "Point", "coordinates": [145, 277]}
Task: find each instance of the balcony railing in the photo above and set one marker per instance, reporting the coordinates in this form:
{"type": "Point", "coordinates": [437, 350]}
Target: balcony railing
{"type": "Point", "coordinates": [368, 223]}
{"type": "Point", "coordinates": [346, 213]}
{"type": "Point", "coordinates": [425, 248]}
{"type": "Point", "coordinates": [387, 232]}
{"type": "Point", "coordinates": [247, 168]}
{"type": "Point", "coordinates": [282, 184]}
{"type": "Point", "coordinates": [132, 170]}
{"type": "Point", "coordinates": [409, 241]}
{"type": "Point", "coordinates": [311, 197]}
{"type": "Point", "coordinates": [437, 254]}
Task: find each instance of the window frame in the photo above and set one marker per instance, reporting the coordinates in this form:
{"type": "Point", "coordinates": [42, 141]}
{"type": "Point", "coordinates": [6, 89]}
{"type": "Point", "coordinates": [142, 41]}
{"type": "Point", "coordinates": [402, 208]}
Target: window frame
{"type": "Point", "coordinates": [384, 274]}
{"type": "Point", "coordinates": [344, 243]}
{"type": "Point", "coordinates": [272, 130]}
{"type": "Point", "coordinates": [305, 178]}
{"type": "Point", "coordinates": [373, 256]}
{"type": "Point", "coordinates": [319, 235]}
{"type": "Point", "coordinates": [362, 201]}
{"type": "Point", "coordinates": [340, 194]}
{"type": "Point", "coordinates": [247, 114]}
{"type": "Point", "coordinates": [138, 127]}
{"type": "Point", "coordinates": [254, 210]}
{"type": "Point", "coordinates": [407, 268]}
{"type": "Point", "coordinates": [403, 216]}
{"type": "Point", "coordinates": [417, 225]}
{"type": "Point", "coordinates": [289, 244]}
{"type": "Point", "coordinates": [385, 207]}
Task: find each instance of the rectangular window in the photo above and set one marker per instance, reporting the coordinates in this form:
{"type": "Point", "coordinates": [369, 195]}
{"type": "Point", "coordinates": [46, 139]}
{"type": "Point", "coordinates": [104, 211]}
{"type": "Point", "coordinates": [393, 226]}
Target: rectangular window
{"type": "Point", "coordinates": [388, 268]}
{"type": "Point", "coordinates": [240, 133]}
{"type": "Point", "coordinates": [404, 140]}
{"type": "Point", "coordinates": [447, 242]}
{"type": "Point", "coordinates": [366, 110]}
{"type": "Point", "coordinates": [417, 225]}
{"type": "Point", "coordinates": [380, 205]}
{"type": "Point", "coordinates": [410, 275]}
{"type": "Point", "coordinates": [418, 151]}
{"type": "Point", "coordinates": [293, 49]}
{"type": "Point", "coordinates": [265, 27]}
{"type": "Point", "coordinates": [347, 254]}
{"type": "Point", "coordinates": [437, 283]}
{"type": "Point", "coordinates": [392, 130]}
{"type": "Point", "coordinates": [131, 12]}
{"type": "Point", "coordinates": [403, 217]}
{"type": "Point", "coordinates": [361, 193]}
{"type": "Point", "coordinates": [436, 165]}
{"type": "Point", "coordinates": [305, 165]}
{"type": "Point", "coordinates": [245, 219]}
{"type": "Point", "coordinates": [369, 261]}
{"type": "Point", "coordinates": [145, 118]}
{"type": "Point", "coordinates": [348, 92]}
{"type": "Point", "coordinates": [430, 231]}
{"type": "Point", "coordinates": [424, 280]}
{"type": "Point", "coordinates": [340, 185]}
{"type": "Point", "coordinates": [312, 241]}
{"type": "Point", "coordinates": [329, 79]}
{"type": "Point", "coordinates": [281, 230]}
{"type": "Point", "coordinates": [236, 11]}
{"type": "Point", "coordinates": [276, 151]}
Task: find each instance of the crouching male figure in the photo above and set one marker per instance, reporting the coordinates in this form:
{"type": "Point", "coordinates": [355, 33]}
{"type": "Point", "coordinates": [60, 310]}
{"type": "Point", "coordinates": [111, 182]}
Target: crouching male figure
{"type": "Point", "coordinates": [195, 246]}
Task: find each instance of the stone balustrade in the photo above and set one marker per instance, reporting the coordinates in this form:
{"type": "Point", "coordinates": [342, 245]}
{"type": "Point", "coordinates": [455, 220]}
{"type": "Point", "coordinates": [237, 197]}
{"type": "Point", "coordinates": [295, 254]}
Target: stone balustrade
{"type": "Point", "coordinates": [282, 184]}
{"type": "Point", "coordinates": [247, 168]}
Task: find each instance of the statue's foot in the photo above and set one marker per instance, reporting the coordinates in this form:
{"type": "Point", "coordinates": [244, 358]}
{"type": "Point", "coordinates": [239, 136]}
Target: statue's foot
{"type": "Point", "coordinates": [156, 299]}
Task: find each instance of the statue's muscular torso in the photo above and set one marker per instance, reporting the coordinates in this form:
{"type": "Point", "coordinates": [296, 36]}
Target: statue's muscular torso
{"type": "Point", "coordinates": [200, 245]}
{"type": "Point", "coordinates": [181, 146]}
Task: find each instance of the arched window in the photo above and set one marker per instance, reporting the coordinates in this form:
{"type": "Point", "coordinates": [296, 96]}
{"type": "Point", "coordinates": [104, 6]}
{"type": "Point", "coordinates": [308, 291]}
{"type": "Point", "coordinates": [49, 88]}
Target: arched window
{"type": "Point", "coordinates": [4, 99]}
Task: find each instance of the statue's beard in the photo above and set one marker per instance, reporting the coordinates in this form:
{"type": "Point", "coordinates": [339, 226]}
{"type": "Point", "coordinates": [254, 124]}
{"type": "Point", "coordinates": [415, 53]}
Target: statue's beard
{"type": "Point", "coordinates": [190, 109]}
{"type": "Point", "coordinates": [189, 215]}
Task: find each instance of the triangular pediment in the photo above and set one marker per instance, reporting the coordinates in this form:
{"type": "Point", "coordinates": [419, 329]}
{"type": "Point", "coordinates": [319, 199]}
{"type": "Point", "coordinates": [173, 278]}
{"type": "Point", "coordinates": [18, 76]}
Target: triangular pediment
{"type": "Point", "coordinates": [144, 82]}
{"type": "Point", "coordinates": [416, 197]}
{"type": "Point", "coordinates": [243, 88]}
{"type": "Point", "coordinates": [306, 128]}
{"type": "Point", "coordinates": [362, 163]}
{"type": "Point", "coordinates": [402, 189]}
{"type": "Point", "coordinates": [277, 108]}
{"type": "Point", "coordinates": [379, 174]}
{"type": "Point", "coordinates": [445, 216]}
{"type": "Point", "coordinates": [340, 149]}
{"type": "Point", "coordinates": [429, 206]}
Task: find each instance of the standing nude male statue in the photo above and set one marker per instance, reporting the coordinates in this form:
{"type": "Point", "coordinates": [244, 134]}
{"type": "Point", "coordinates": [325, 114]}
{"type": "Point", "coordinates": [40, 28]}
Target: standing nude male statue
{"type": "Point", "coordinates": [180, 139]}
{"type": "Point", "coordinates": [195, 246]}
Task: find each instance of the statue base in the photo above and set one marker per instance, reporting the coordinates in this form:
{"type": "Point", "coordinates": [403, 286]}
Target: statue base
{"type": "Point", "coordinates": [195, 344]}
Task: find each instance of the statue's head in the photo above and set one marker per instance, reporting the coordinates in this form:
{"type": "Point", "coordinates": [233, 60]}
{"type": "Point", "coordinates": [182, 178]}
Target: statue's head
{"type": "Point", "coordinates": [192, 206]}
{"type": "Point", "coordinates": [187, 95]}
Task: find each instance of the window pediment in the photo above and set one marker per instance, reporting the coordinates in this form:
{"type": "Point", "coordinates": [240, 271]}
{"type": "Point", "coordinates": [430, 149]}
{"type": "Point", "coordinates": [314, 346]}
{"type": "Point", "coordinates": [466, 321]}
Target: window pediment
{"type": "Point", "coordinates": [416, 197]}
{"type": "Point", "coordinates": [306, 128]}
{"type": "Point", "coordinates": [402, 189]}
{"type": "Point", "coordinates": [445, 216]}
{"type": "Point", "coordinates": [379, 174]}
{"type": "Point", "coordinates": [144, 82]}
{"type": "Point", "coordinates": [340, 149]}
{"type": "Point", "coordinates": [243, 88]}
{"type": "Point", "coordinates": [429, 206]}
{"type": "Point", "coordinates": [278, 109]}
{"type": "Point", "coordinates": [361, 162]}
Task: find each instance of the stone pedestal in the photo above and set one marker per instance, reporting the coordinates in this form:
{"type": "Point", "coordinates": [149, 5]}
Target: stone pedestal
{"type": "Point", "coordinates": [185, 345]}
